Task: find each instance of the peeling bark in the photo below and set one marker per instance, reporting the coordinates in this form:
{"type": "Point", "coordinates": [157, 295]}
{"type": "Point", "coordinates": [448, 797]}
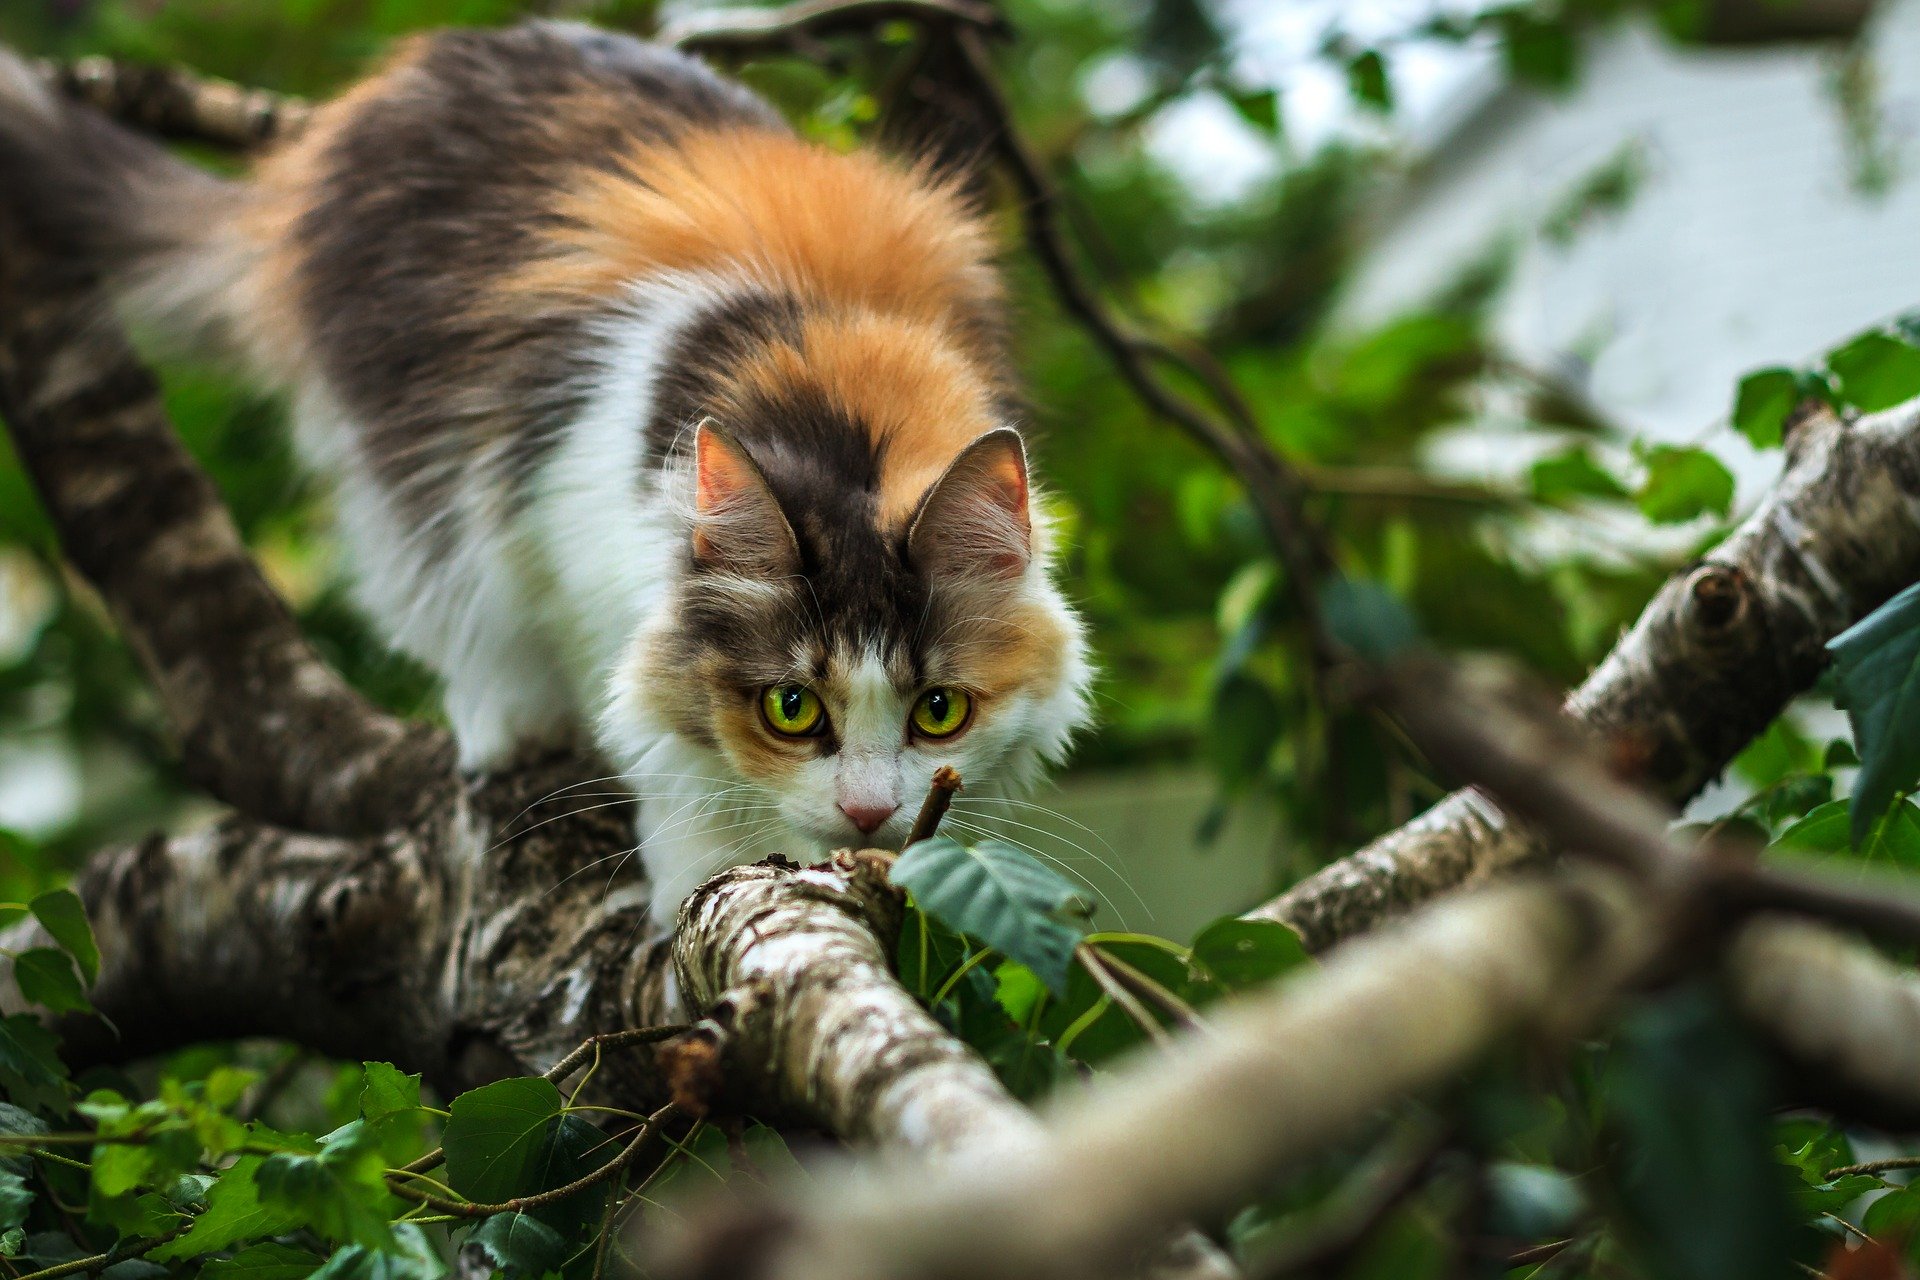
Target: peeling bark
{"type": "Point", "coordinates": [1716, 655]}
{"type": "Point", "coordinates": [1190, 1131]}
{"type": "Point", "coordinates": [263, 723]}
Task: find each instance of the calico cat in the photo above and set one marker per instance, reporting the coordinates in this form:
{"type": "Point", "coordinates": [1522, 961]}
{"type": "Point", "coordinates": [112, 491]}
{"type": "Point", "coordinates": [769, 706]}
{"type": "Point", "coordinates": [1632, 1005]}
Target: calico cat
{"type": "Point", "coordinates": [646, 417]}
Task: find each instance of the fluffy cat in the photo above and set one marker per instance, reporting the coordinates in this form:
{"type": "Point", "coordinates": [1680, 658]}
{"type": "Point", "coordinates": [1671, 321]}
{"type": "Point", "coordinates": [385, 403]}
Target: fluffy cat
{"type": "Point", "coordinates": [646, 417]}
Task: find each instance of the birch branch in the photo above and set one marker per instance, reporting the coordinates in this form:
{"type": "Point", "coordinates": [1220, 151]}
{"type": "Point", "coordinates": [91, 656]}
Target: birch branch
{"type": "Point", "coordinates": [1190, 1132]}
{"type": "Point", "coordinates": [263, 723]}
{"type": "Point", "coordinates": [1716, 655]}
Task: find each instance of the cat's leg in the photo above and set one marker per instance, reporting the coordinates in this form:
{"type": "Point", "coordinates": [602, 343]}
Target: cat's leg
{"type": "Point", "coordinates": [695, 822]}
{"type": "Point", "coordinates": [450, 594]}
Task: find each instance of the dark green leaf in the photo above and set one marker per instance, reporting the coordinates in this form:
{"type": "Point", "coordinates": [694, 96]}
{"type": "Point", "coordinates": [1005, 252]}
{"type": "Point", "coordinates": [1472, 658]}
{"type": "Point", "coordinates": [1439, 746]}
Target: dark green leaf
{"type": "Point", "coordinates": [1696, 1177]}
{"type": "Point", "coordinates": [519, 1245]}
{"type": "Point", "coordinates": [495, 1135]}
{"type": "Point", "coordinates": [997, 893]}
{"type": "Point", "coordinates": [1761, 405]}
{"type": "Point", "coordinates": [1236, 954]}
{"type": "Point", "coordinates": [1876, 371]}
{"type": "Point", "coordinates": [1367, 80]}
{"type": "Point", "coordinates": [46, 978]}
{"type": "Point", "coordinates": [1573, 474]}
{"type": "Point", "coordinates": [30, 1051]}
{"type": "Point", "coordinates": [413, 1258]}
{"type": "Point", "coordinates": [1538, 48]}
{"type": "Point", "coordinates": [61, 914]}
{"type": "Point", "coordinates": [265, 1261]}
{"type": "Point", "coordinates": [340, 1192]}
{"type": "Point", "coordinates": [1261, 110]}
{"type": "Point", "coordinates": [1368, 619]}
{"type": "Point", "coordinates": [1895, 1219]}
{"type": "Point", "coordinates": [1242, 728]}
{"type": "Point", "coordinates": [1085, 1024]}
{"type": "Point", "coordinates": [1876, 672]}
{"type": "Point", "coordinates": [234, 1213]}
{"type": "Point", "coordinates": [15, 1199]}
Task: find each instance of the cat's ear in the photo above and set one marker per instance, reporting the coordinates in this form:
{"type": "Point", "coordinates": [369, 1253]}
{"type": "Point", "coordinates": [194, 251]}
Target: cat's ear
{"type": "Point", "coordinates": [738, 526]}
{"type": "Point", "coordinates": [974, 517]}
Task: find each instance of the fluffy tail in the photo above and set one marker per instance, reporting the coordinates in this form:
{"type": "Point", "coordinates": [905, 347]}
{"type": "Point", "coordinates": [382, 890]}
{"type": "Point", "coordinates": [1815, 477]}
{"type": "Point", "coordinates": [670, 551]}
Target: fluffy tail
{"type": "Point", "coordinates": [153, 228]}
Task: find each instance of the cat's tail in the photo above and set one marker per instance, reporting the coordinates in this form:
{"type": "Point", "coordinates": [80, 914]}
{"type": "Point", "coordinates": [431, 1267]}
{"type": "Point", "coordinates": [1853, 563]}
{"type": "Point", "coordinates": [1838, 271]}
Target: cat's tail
{"type": "Point", "coordinates": [158, 232]}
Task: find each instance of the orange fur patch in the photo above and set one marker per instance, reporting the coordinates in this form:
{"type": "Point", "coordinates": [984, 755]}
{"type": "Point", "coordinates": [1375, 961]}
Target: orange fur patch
{"type": "Point", "coordinates": [920, 398]}
{"type": "Point", "coordinates": [851, 228]}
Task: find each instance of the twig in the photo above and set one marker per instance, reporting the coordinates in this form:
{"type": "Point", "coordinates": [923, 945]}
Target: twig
{"type": "Point", "coordinates": [745, 30]}
{"type": "Point", "coordinates": [946, 781]}
{"type": "Point", "coordinates": [132, 1247]}
{"type": "Point", "coordinates": [521, 1204]}
{"type": "Point", "coordinates": [1115, 990]}
{"type": "Point", "coordinates": [1887, 1165]}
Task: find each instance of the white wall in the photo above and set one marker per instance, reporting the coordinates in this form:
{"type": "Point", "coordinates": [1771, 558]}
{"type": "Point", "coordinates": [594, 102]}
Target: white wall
{"type": "Point", "coordinates": [1746, 245]}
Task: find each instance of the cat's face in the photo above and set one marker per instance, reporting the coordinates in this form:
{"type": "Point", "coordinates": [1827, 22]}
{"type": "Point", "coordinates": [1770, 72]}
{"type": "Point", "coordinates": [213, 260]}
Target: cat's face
{"type": "Point", "coordinates": [835, 659]}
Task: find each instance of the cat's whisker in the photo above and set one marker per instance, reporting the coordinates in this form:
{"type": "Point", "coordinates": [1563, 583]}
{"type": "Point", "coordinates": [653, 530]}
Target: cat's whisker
{"type": "Point", "coordinates": [1079, 848]}
{"type": "Point", "coordinates": [1070, 871]}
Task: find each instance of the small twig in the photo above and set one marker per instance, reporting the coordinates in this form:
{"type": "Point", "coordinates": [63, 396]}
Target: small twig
{"type": "Point", "coordinates": [1144, 985]}
{"type": "Point", "coordinates": [946, 781]}
{"type": "Point", "coordinates": [272, 1085]}
{"type": "Point", "coordinates": [1115, 990]}
{"type": "Point", "coordinates": [132, 1248]}
{"type": "Point", "coordinates": [521, 1204]}
{"type": "Point", "coordinates": [1887, 1165]}
{"type": "Point", "coordinates": [559, 1070]}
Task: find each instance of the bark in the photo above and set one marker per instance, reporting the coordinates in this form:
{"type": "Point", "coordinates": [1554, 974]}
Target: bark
{"type": "Point", "coordinates": [1717, 654]}
{"type": "Point", "coordinates": [1192, 1131]}
{"type": "Point", "coordinates": [263, 723]}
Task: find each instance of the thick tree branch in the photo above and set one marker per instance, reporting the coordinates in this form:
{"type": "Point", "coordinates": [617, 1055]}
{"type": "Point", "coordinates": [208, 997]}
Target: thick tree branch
{"type": "Point", "coordinates": [1716, 655]}
{"type": "Point", "coordinates": [1193, 1131]}
{"type": "Point", "coordinates": [262, 722]}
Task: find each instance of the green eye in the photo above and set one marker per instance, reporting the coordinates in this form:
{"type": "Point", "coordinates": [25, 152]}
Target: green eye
{"type": "Point", "coordinates": [792, 710]}
{"type": "Point", "coordinates": [941, 713]}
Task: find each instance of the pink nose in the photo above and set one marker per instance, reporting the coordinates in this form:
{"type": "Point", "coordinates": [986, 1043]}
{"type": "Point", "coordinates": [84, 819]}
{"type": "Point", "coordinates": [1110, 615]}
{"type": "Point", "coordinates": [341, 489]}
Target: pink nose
{"type": "Point", "coordinates": [868, 817]}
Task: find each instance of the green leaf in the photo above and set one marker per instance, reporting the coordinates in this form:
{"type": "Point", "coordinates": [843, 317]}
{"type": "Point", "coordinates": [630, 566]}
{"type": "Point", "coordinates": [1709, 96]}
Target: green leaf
{"type": "Point", "coordinates": [340, 1192]}
{"type": "Point", "coordinates": [1761, 405]}
{"type": "Point", "coordinates": [1876, 671]}
{"type": "Point", "coordinates": [1237, 954]}
{"type": "Point", "coordinates": [495, 1135]}
{"type": "Point", "coordinates": [1573, 474]}
{"type": "Point", "coordinates": [1087, 1025]}
{"type": "Point", "coordinates": [15, 1199]}
{"type": "Point", "coordinates": [412, 1257]}
{"type": "Point", "coordinates": [997, 893]}
{"type": "Point", "coordinates": [1538, 49]}
{"type": "Point", "coordinates": [234, 1213]}
{"type": "Point", "coordinates": [388, 1091]}
{"type": "Point", "coordinates": [1244, 724]}
{"type": "Point", "coordinates": [1696, 1178]}
{"type": "Point", "coordinates": [1682, 483]}
{"type": "Point", "coordinates": [519, 1245]}
{"type": "Point", "coordinates": [46, 978]}
{"type": "Point", "coordinates": [264, 1261]}
{"type": "Point", "coordinates": [61, 914]}
{"type": "Point", "coordinates": [1893, 838]}
{"type": "Point", "coordinates": [1367, 80]}
{"type": "Point", "coordinates": [1895, 1218]}
{"type": "Point", "coordinates": [1368, 619]}
{"type": "Point", "coordinates": [30, 1051]}
{"type": "Point", "coordinates": [1260, 109]}
{"type": "Point", "coordinates": [1876, 371]}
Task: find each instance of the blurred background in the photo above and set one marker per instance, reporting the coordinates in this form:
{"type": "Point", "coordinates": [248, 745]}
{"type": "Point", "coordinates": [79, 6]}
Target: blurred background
{"type": "Point", "coordinates": [1490, 272]}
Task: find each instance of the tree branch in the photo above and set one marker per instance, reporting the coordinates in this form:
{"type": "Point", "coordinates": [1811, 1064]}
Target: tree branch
{"type": "Point", "coordinates": [1713, 659]}
{"type": "Point", "coordinates": [263, 723]}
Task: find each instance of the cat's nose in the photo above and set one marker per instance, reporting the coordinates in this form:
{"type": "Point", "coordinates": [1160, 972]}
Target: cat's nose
{"type": "Point", "coordinates": [868, 817]}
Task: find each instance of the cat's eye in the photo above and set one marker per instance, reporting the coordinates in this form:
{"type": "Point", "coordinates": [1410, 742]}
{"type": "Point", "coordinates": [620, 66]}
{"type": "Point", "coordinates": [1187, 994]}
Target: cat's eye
{"type": "Point", "coordinates": [792, 710]}
{"type": "Point", "coordinates": [941, 713]}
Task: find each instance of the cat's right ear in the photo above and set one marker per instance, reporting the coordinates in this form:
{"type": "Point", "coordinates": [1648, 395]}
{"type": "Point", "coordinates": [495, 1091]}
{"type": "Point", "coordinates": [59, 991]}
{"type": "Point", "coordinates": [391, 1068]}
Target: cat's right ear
{"type": "Point", "coordinates": [738, 526]}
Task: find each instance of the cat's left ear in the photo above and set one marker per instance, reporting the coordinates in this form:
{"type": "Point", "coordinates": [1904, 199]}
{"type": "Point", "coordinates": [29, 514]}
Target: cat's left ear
{"type": "Point", "coordinates": [974, 517]}
{"type": "Point", "coordinates": [738, 526]}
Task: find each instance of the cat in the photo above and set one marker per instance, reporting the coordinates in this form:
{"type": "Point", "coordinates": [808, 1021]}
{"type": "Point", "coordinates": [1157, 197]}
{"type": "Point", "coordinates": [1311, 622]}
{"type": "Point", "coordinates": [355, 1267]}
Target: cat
{"type": "Point", "coordinates": [647, 419]}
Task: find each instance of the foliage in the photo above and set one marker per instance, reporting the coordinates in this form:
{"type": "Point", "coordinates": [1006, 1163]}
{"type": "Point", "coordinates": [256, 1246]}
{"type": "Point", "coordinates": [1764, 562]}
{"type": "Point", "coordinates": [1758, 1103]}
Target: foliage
{"type": "Point", "coordinates": [225, 1162]}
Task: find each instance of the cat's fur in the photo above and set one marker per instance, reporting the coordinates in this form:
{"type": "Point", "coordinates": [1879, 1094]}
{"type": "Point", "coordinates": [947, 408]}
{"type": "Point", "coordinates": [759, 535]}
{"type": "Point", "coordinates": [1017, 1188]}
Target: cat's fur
{"type": "Point", "coordinates": [637, 404]}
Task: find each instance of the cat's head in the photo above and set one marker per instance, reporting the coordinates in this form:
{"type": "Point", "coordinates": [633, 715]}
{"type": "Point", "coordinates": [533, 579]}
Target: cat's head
{"type": "Point", "coordinates": [835, 639]}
